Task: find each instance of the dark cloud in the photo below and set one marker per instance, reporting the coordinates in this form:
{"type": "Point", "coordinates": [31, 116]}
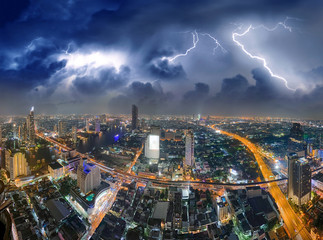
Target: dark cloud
{"type": "Point", "coordinates": [149, 98]}
{"type": "Point", "coordinates": [107, 79]}
{"type": "Point", "coordinates": [37, 33]}
{"type": "Point", "coordinates": [164, 70]}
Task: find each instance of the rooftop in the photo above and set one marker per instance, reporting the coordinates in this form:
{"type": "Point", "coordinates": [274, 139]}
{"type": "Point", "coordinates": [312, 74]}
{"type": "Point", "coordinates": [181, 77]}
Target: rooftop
{"type": "Point", "coordinates": [55, 165]}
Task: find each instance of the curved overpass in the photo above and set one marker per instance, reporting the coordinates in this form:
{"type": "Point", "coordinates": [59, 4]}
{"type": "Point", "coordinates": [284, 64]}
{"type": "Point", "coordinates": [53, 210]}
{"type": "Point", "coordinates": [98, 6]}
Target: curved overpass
{"type": "Point", "coordinates": [4, 214]}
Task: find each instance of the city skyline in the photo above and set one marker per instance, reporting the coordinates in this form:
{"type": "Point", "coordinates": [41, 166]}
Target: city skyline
{"type": "Point", "coordinates": [225, 58]}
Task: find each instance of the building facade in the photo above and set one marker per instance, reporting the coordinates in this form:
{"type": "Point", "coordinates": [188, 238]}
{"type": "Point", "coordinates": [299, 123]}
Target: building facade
{"type": "Point", "coordinates": [301, 182]}
{"type": "Point", "coordinates": [88, 176]}
{"type": "Point", "coordinates": [189, 149]}
{"type": "Point", "coordinates": [134, 122]}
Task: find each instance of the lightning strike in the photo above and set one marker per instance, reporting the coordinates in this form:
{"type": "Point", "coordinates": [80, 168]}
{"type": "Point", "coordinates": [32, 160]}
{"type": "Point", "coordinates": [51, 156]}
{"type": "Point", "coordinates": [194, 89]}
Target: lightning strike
{"type": "Point", "coordinates": [195, 41]}
{"type": "Point", "coordinates": [217, 43]}
{"type": "Point", "coordinates": [263, 60]}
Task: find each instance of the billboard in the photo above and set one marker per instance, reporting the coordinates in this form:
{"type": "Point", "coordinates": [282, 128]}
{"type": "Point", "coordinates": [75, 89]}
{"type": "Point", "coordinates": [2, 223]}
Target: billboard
{"type": "Point", "coordinates": [153, 142]}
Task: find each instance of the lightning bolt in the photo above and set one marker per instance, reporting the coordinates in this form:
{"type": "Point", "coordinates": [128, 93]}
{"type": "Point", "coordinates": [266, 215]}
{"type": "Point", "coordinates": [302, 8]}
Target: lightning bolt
{"type": "Point", "coordinates": [196, 39]}
{"type": "Point", "coordinates": [263, 60]}
{"type": "Point", "coordinates": [217, 43]}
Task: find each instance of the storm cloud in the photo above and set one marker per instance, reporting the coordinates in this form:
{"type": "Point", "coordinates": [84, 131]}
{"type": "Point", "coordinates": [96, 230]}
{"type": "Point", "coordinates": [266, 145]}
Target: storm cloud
{"type": "Point", "coordinates": [111, 54]}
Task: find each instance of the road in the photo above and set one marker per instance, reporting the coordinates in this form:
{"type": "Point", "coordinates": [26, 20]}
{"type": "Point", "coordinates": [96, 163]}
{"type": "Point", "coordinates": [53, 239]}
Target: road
{"type": "Point", "coordinates": [294, 225]}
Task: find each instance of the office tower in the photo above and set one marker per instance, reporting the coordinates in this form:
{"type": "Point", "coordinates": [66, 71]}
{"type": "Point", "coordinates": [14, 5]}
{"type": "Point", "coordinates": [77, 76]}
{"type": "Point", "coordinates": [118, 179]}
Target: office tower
{"type": "Point", "coordinates": [189, 148]}
{"type": "Point", "coordinates": [55, 128]}
{"type": "Point", "coordinates": [14, 131]}
{"type": "Point", "coordinates": [31, 126]}
{"type": "Point", "coordinates": [292, 158]}
{"type": "Point", "coordinates": [87, 125]}
{"type": "Point", "coordinates": [74, 134]}
{"type": "Point", "coordinates": [61, 132]}
{"type": "Point", "coordinates": [152, 144]}
{"type": "Point", "coordinates": [134, 123]}
{"type": "Point", "coordinates": [97, 125]}
{"type": "Point", "coordinates": [88, 176]}
{"type": "Point", "coordinates": [301, 181]}
{"type": "Point", "coordinates": [16, 164]}
{"type": "Point", "coordinates": [296, 138]}
{"type": "Point", "coordinates": [24, 132]}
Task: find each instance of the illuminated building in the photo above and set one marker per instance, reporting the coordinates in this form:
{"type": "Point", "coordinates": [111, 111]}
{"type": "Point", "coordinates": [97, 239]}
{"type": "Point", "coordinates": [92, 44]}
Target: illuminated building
{"type": "Point", "coordinates": [30, 123]}
{"type": "Point", "coordinates": [222, 211]}
{"type": "Point", "coordinates": [152, 144]}
{"type": "Point", "coordinates": [97, 125]}
{"type": "Point", "coordinates": [134, 122]}
{"type": "Point", "coordinates": [88, 176]}
{"type": "Point", "coordinates": [56, 170]}
{"type": "Point", "coordinates": [301, 181]}
{"type": "Point", "coordinates": [24, 132]}
{"type": "Point", "coordinates": [16, 164]}
{"type": "Point", "coordinates": [61, 129]}
{"type": "Point", "coordinates": [292, 157]}
{"type": "Point", "coordinates": [74, 134]}
{"type": "Point", "coordinates": [87, 125]}
{"type": "Point", "coordinates": [189, 149]}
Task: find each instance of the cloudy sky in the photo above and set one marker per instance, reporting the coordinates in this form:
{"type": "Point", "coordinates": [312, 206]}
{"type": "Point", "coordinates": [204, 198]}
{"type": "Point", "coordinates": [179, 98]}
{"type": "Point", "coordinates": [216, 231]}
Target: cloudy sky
{"type": "Point", "coordinates": [223, 57]}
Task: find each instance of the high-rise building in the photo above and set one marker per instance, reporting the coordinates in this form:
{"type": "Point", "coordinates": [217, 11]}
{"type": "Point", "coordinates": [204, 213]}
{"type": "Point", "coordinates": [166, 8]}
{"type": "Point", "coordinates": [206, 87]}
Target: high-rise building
{"type": "Point", "coordinates": [134, 123]}
{"type": "Point", "coordinates": [296, 138]}
{"type": "Point", "coordinates": [97, 125]}
{"type": "Point", "coordinates": [88, 176]}
{"type": "Point", "coordinates": [292, 158]}
{"type": "Point", "coordinates": [189, 148]}
{"type": "Point", "coordinates": [301, 181]}
{"type": "Point", "coordinates": [31, 126]}
{"type": "Point", "coordinates": [74, 134]}
{"type": "Point", "coordinates": [16, 164]}
{"type": "Point", "coordinates": [61, 129]}
{"type": "Point", "coordinates": [24, 132]}
{"type": "Point", "coordinates": [153, 143]}
{"type": "Point", "coordinates": [87, 125]}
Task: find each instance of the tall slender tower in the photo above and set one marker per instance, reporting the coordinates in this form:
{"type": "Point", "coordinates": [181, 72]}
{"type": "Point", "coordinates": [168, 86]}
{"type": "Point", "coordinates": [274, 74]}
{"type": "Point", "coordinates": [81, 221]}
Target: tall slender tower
{"type": "Point", "coordinates": [97, 125]}
{"type": "Point", "coordinates": [74, 134]}
{"type": "Point", "coordinates": [189, 148]}
{"type": "Point", "coordinates": [134, 123]}
{"type": "Point", "coordinates": [31, 126]}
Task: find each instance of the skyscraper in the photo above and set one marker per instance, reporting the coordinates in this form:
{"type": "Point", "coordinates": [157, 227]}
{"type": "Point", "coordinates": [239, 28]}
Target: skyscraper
{"type": "Point", "coordinates": [296, 138]}
{"type": "Point", "coordinates": [87, 125]}
{"type": "Point", "coordinates": [61, 132]}
{"type": "Point", "coordinates": [292, 158]}
{"type": "Point", "coordinates": [134, 123]}
{"type": "Point", "coordinates": [97, 125]}
{"type": "Point", "coordinates": [301, 181]}
{"type": "Point", "coordinates": [74, 134]}
{"type": "Point", "coordinates": [189, 148]}
{"type": "Point", "coordinates": [31, 126]}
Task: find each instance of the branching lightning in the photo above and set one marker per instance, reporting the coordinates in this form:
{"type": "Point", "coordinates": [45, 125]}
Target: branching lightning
{"type": "Point", "coordinates": [196, 39]}
{"type": "Point", "coordinates": [217, 43]}
{"type": "Point", "coordinates": [263, 60]}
